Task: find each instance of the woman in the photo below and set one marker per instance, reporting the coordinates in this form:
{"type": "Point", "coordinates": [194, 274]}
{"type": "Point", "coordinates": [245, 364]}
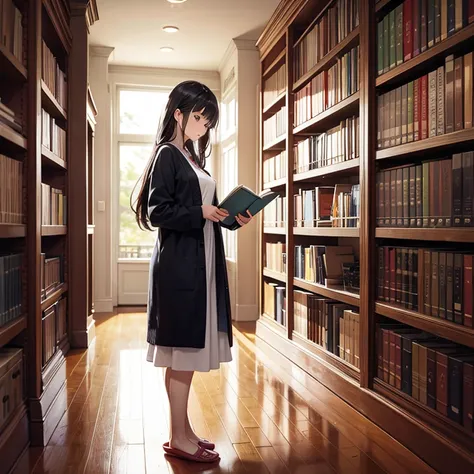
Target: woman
{"type": "Point", "coordinates": [189, 320]}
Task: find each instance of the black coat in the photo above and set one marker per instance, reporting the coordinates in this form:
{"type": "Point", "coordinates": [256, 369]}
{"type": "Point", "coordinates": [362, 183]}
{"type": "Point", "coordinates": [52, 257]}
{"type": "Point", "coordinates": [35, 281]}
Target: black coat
{"type": "Point", "coordinates": [177, 282]}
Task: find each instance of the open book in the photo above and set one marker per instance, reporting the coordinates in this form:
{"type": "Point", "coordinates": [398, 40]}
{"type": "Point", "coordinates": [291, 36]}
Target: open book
{"type": "Point", "coordinates": [241, 199]}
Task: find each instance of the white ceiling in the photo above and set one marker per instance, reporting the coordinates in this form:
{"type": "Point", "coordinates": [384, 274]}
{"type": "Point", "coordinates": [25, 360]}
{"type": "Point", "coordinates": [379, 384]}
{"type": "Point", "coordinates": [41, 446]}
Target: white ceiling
{"type": "Point", "coordinates": [134, 29]}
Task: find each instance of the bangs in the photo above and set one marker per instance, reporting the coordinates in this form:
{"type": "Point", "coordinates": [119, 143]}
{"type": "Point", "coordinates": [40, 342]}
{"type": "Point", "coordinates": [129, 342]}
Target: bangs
{"type": "Point", "coordinates": [206, 103]}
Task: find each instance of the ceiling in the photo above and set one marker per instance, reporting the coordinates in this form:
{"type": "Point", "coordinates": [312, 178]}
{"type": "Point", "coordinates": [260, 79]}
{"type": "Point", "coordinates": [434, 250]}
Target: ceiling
{"type": "Point", "coordinates": [134, 29]}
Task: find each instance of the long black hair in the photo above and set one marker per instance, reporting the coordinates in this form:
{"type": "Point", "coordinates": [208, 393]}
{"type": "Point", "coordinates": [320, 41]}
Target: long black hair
{"type": "Point", "coordinates": [188, 96]}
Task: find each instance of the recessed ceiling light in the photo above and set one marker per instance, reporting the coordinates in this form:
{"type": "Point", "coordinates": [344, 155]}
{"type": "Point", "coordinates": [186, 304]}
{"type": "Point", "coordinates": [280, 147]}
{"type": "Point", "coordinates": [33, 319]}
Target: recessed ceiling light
{"type": "Point", "coordinates": [166, 49]}
{"type": "Point", "coordinates": [170, 29]}
{"type": "Point", "coordinates": [176, 1]}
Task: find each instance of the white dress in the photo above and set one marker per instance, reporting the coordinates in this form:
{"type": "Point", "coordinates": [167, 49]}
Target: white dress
{"type": "Point", "coordinates": [216, 349]}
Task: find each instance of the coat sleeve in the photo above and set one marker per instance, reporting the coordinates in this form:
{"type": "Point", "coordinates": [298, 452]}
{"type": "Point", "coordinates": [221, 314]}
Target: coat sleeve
{"type": "Point", "coordinates": [163, 210]}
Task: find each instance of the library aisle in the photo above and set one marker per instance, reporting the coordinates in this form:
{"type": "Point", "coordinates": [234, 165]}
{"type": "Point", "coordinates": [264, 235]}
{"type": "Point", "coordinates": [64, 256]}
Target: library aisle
{"type": "Point", "coordinates": [265, 415]}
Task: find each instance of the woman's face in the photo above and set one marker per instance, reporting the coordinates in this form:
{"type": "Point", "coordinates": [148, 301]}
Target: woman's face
{"type": "Point", "coordinates": [196, 127]}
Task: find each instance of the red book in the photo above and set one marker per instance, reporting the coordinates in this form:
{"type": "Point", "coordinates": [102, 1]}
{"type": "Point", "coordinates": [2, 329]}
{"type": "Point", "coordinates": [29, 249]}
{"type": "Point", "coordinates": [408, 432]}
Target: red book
{"type": "Point", "coordinates": [408, 26]}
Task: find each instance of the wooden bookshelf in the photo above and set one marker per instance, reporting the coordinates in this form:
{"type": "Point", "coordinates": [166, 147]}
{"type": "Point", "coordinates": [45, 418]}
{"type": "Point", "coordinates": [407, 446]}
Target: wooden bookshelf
{"type": "Point", "coordinates": [444, 445]}
{"type": "Point", "coordinates": [24, 90]}
{"type": "Point", "coordinates": [274, 105]}
{"type": "Point", "coordinates": [277, 144]}
{"type": "Point", "coordinates": [275, 230]}
{"type": "Point", "coordinates": [278, 183]}
{"type": "Point", "coordinates": [276, 63]}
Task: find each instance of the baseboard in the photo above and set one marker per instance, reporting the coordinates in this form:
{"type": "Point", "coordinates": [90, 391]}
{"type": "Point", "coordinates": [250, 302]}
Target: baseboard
{"type": "Point", "coordinates": [104, 306]}
{"type": "Point", "coordinates": [46, 411]}
{"type": "Point", "coordinates": [82, 339]}
{"type": "Point", "coordinates": [14, 440]}
{"type": "Point", "coordinates": [440, 453]}
{"type": "Point", "coordinates": [246, 312]}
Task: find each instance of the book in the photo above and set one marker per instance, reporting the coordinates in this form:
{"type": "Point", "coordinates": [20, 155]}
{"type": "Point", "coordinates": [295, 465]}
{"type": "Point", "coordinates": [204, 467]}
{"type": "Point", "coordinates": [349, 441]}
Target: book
{"type": "Point", "coordinates": [241, 199]}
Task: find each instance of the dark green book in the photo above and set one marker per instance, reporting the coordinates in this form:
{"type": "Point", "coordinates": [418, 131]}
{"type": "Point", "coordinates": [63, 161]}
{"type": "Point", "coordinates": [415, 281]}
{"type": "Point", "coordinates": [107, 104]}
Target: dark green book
{"type": "Point", "coordinates": [241, 199]}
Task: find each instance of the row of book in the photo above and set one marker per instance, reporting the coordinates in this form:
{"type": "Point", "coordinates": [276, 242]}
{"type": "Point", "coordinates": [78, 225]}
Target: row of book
{"type": "Point", "coordinates": [417, 25]}
{"type": "Point", "coordinates": [437, 282]}
{"type": "Point", "coordinates": [275, 214]}
{"type": "Point", "coordinates": [275, 167]}
{"type": "Point", "coordinates": [11, 191]}
{"type": "Point", "coordinates": [9, 118]}
{"type": "Point", "coordinates": [274, 86]}
{"type": "Point", "coordinates": [328, 88]}
{"type": "Point", "coordinates": [436, 372]}
{"type": "Point", "coordinates": [53, 137]}
{"type": "Point", "coordinates": [332, 27]}
{"type": "Point", "coordinates": [53, 206]}
{"type": "Point", "coordinates": [323, 264]}
{"type": "Point", "coordinates": [328, 323]}
{"type": "Point", "coordinates": [54, 328]}
{"type": "Point", "coordinates": [11, 28]}
{"type": "Point", "coordinates": [436, 193]}
{"type": "Point", "coordinates": [275, 256]}
{"type": "Point", "coordinates": [339, 144]}
{"type": "Point", "coordinates": [10, 287]}
{"type": "Point", "coordinates": [274, 301]}
{"type": "Point", "coordinates": [52, 274]}
{"type": "Point", "coordinates": [275, 126]}
{"type": "Point", "coordinates": [328, 206]}
{"type": "Point", "coordinates": [53, 76]}
{"type": "Point", "coordinates": [437, 103]}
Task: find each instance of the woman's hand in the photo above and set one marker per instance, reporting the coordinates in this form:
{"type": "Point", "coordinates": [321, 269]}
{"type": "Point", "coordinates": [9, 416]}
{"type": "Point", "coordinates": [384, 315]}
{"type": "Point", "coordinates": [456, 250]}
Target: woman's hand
{"type": "Point", "coordinates": [243, 220]}
{"type": "Point", "coordinates": [213, 213]}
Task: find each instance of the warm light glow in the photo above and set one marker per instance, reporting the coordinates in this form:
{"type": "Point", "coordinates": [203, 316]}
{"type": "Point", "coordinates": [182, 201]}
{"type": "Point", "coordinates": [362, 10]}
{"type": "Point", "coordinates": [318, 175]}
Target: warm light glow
{"type": "Point", "coordinates": [170, 29]}
{"type": "Point", "coordinates": [166, 49]}
{"type": "Point", "coordinates": [176, 1]}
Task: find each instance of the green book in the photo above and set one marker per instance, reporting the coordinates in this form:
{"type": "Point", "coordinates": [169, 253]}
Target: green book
{"type": "Point", "coordinates": [241, 199]}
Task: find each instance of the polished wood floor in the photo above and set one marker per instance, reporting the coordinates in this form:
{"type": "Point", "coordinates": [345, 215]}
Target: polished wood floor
{"type": "Point", "coordinates": [265, 415]}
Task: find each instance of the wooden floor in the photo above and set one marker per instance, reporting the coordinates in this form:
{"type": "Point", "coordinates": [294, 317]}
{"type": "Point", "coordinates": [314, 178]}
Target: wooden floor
{"type": "Point", "coordinates": [265, 415]}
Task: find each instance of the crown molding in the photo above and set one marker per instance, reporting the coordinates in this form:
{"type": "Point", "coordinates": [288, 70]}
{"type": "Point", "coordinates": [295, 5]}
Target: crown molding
{"type": "Point", "coordinates": [164, 72]}
{"type": "Point", "coordinates": [237, 44]}
{"type": "Point", "coordinates": [101, 51]}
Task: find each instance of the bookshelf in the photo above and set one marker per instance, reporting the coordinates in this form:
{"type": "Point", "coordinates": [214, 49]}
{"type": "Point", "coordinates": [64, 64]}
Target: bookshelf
{"type": "Point", "coordinates": [368, 123]}
{"type": "Point", "coordinates": [35, 266]}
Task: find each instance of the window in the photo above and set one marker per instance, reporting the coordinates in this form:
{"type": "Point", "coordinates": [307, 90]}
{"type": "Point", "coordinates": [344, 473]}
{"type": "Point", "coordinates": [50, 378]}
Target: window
{"type": "Point", "coordinates": [139, 114]}
{"type": "Point", "coordinates": [229, 183]}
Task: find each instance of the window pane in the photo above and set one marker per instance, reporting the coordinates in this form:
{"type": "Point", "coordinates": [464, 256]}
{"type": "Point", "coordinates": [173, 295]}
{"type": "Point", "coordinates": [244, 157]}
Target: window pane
{"type": "Point", "coordinates": [133, 242]}
{"type": "Point", "coordinates": [229, 183]}
{"type": "Point", "coordinates": [140, 111]}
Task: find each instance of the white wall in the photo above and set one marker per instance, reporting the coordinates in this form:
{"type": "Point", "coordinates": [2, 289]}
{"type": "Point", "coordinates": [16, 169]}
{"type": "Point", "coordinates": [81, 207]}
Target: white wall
{"type": "Point", "coordinates": [104, 82]}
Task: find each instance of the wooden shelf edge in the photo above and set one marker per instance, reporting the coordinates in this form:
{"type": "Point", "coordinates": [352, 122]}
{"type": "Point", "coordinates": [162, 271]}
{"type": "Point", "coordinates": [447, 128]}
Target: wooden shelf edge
{"type": "Point", "coordinates": [54, 106]}
{"type": "Point", "coordinates": [12, 329]}
{"type": "Point", "coordinates": [275, 144]}
{"type": "Point", "coordinates": [12, 136]}
{"type": "Point", "coordinates": [274, 325]}
{"type": "Point", "coordinates": [274, 275]}
{"type": "Point", "coordinates": [274, 230]}
{"type": "Point", "coordinates": [275, 184]}
{"type": "Point", "coordinates": [347, 104]}
{"type": "Point", "coordinates": [446, 234]}
{"type": "Point", "coordinates": [436, 326]}
{"type": "Point", "coordinates": [328, 170]}
{"type": "Point", "coordinates": [270, 69]}
{"type": "Point", "coordinates": [421, 146]}
{"type": "Point", "coordinates": [53, 297]}
{"type": "Point", "coordinates": [437, 450]}
{"type": "Point", "coordinates": [428, 415]}
{"type": "Point", "coordinates": [444, 48]}
{"type": "Point", "coordinates": [327, 356]}
{"type": "Point", "coordinates": [274, 104]}
{"type": "Point", "coordinates": [50, 230]}
{"type": "Point", "coordinates": [327, 61]}
{"type": "Point", "coordinates": [340, 295]}
{"type": "Point", "coordinates": [52, 158]}
{"type": "Point", "coordinates": [327, 231]}
{"type": "Point", "coordinates": [11, 231]}
{"type": "Point", "coordinates": [14, 62]}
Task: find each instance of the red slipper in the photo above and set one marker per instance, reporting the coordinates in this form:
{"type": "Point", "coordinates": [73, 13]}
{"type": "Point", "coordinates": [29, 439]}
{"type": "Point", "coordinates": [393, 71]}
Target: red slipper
{"type": "Point", "coordinates": [207, 444]}
{"type": "Point", "coordinates": [201, 455]}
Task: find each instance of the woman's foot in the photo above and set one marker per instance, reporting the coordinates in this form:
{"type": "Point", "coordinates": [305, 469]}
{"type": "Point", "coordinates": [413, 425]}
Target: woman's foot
{"type": "Point", "coordinates": [190, 451]}
{"type": "Point", "coordinates": [200, 441]}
